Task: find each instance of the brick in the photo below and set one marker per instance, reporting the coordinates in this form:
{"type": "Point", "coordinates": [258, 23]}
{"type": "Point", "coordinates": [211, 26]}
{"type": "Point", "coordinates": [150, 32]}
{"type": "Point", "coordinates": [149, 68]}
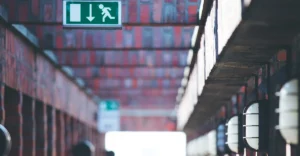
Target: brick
{"type": "Point", "coordinates": [192, 13]}
{"type": "Point", "coordinates": [187, 35]}
{"type": "Point", "coordinates": [128, 38]}
{"type": "Point", "coordinates": [89, 40]}
{"type": "Point", "coordinates": [79, 38]}
{"type": "Point", "coordinates": [157, 11]}
{"type": "Point", "coordinates": [23, 11]}
{"type": "Point", "coordinates": [177, 36]}
{"type": "Point", "coordinates": [12, 7]}
{"type": "Point", "coordinates": [145, 13]}
{"type": "Point", "coordinates": [59, 10]}
{"type": "Point", "coordinates": [132, 11]}
{"type": "Point", "coordinates": [108, 39]}
{"type": "Point", "coordinates": [10, 78]}
{"type": "Point", "coordinates": [157, 37]}
{"type": "Point", "coordinates": [59, 41]}
{"type": "Point", "coordinates": [119, 38]}
{"type": "Point", "coordinates": [35, 7]}
{"type": "Point", "coordinates": [48, 10]}
{"type": "Point", "coordinates": [98, 38]}
{"type": "Point", "coordinates": [124, 12]}
{"type": "Point", "coordinates": [138, 36]}
{"type": "Point", "coordinates": [147, 37]}
{"type": "Point", "coordinates": [70, 39]}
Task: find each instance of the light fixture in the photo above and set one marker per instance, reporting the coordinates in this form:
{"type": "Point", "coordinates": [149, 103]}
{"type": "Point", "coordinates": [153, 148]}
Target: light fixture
{"type": "Point", "coordinates": [5, 141]}
{"type": "Point", "coordinates": [184, 82]}
{"type": "Point", "coordinates": [234, 134]}
{"type": "Point", "coordinates": [256, 126]}
{"type": "Point", "coordinates": [194, 36]}
{"type": "Point", "coordinates": [186, 71]}
{"type": "Point", "coordinates": [178, 97]}
{"type": "Point", "coordinates": [221, 138]}
{"type": "Point", "coordinates": [289, 112]}
{"type": "Point", "coordinates": [180, 91]}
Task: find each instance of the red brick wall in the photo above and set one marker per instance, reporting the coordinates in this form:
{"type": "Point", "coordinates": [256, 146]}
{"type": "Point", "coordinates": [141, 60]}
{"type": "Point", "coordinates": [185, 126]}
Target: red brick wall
{"type": "Point", "coordinates": [39, 105]}
{"type": "Point", "coordinates": [40, 129]}
{"type": "Point", "coordinates": [131, 123]}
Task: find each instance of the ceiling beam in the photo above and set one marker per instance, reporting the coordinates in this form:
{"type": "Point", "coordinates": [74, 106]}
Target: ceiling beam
{"type": "Point", "coordinates": [77, 65]}
{"type": "Point", "coordinates": [132, 78]}
{"type": "Point", "coordinates": [95, 89]}
{"type": "Point", "coordinates": [43, 23]}
{"type": "Point", "coordinates": [120, 49]}
{"type": "Point", "coordinates": [140, 92]}
{"type": "Point", "coordinates": [147, 113]}
{"type": "Point", "coordinates": [87, 77]}
{"type": "Point", "coordinates": [127, 72]}
{"type": "Point", "coordinates": [143, 100]}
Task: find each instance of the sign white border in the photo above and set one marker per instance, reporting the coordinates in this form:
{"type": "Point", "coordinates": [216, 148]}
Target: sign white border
{"type": "Point", "coordinates": [92, 25]}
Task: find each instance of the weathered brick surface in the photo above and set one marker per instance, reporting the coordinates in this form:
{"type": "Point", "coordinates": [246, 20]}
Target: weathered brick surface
{"type": "Point", "coordinates": [62, 39]}
{"type": "Point", "coordinates": [45, 81]}
{"type": "Point", "coordinates": [101, 84]}
{"type": "Point", "coordinates": [20, 70]}
{"type": "Point", "coordinates": [18, 64]}
{"type": "Point", "coordinates": [90, 72]}
{"type": "Point", "coordinates": [133, 10]}
{"type": "Point", "coordinates": [144, 123]}
{"type": "Point", "coordinates": [97, 58]}
{"type": "Point", "coordinates": [32, 91]}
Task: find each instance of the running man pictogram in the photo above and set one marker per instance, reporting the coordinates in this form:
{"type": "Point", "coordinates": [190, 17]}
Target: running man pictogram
{"type": "Point", "coordinates": [105, 12]}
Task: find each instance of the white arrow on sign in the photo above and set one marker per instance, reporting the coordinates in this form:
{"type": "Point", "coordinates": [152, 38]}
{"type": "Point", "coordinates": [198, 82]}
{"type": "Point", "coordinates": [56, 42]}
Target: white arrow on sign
{"type": "Point", "coordinates": [90, 18]}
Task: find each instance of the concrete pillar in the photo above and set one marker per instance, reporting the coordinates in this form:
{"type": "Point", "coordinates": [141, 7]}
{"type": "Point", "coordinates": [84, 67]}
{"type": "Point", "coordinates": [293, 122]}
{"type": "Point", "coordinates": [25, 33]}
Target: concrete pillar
{"type": "Point", "coordinates": [13, 119]}
{"type": "Point", "coordinates": [41, 129]}
{"type": "Point", "coordinates": [29, 130]}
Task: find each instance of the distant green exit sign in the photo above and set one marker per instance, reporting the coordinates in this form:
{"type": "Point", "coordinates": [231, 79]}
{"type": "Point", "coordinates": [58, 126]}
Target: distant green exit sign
{"type": "Point", "coordinates": [90, 13]}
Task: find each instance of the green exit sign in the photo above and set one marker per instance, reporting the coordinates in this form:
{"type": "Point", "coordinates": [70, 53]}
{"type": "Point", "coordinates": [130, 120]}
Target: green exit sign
{"type": "Point", "coordinates": [83, 13]}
